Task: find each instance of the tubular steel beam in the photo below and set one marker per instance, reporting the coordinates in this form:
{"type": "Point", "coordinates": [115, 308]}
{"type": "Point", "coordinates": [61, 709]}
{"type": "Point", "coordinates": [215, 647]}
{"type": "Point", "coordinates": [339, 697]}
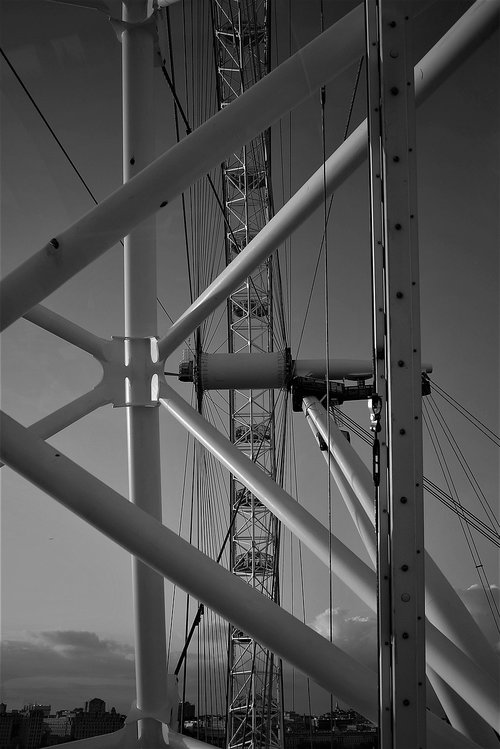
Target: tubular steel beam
{"type": "Point", "coordinates": [355, 573]}
{"type": "Point", "coordinates": [466, 34]}
{"type": "Point", "coordinates": [143, 429]}
{"type": "Point", "coordinates": [171, 556]}
{"type": "Point", "coordinates": [317, 419]}
{"type": "Point", "coordinates": [69, 413]}
{"type": "Point", "coordinates": [444, 608]}
{"type": "Point", "coordinates": [101, 228]}
{"type": "Point", "coordinates": [65, 329]}
{"type": "Point", "coordinates": [296, 518]}
{"type": "Point", "coordinates": [141, 197]}
{"type": "Point", "coordinates": [461, 715]}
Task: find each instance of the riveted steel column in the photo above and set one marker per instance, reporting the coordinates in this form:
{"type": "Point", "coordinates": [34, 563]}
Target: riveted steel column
{"type": "Point", "coordinates": [141, 323]}
{"type": "Point", "coordinates": [397, 415]}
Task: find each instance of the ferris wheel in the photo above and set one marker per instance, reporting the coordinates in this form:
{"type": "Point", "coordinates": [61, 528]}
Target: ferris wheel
{"type": "Point", "coordinates": [134, 378]}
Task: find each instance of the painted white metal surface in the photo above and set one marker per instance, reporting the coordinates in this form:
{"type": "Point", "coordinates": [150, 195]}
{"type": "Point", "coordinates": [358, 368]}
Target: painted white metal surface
{"type": "Point", "coordinates": [106, 224]}
{"type": "Point", "coordinates": [294, 516]}
{"type": "Point", "coordinates": [156, 185]}
{"type": "Point", "coordinates": [143, 430]}
{"type": "Point", "coordinates": [318, 418]}
{"type": "Point", "coordinates": [435, 66]}
{"type": "Point", "coordinates": [355, 573]}
{"type": "Point", "coordinates": [171, 556]}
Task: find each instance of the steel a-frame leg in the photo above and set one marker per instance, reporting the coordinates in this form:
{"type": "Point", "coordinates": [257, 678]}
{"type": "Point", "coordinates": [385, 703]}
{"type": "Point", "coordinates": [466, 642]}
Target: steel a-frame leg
{"type": "Point", "coordinates": [143, 432]}
{"type": "Point", "coordinates": [398, 472]}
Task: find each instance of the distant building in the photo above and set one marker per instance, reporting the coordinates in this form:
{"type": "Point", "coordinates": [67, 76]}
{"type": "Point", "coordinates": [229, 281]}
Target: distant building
{"type": "Point", "coordinates": [10, 727]}
{"type": "Point", "coordinates": [35, 706]}
{"type": "Point", "coordinates": [338, 729]}
{"type": "Point", "coordinates": [58, 727]}
{"type": "Point", "coordinates": [34, 727]}
{"type": "Point", "coordinates": [95, 721]}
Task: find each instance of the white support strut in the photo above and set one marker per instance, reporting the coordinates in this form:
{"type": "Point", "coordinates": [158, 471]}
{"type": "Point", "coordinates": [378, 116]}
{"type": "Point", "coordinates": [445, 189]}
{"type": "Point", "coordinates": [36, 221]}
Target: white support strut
{"type": "Point", "coordinates": [171, 556]}
{"type": "Point", "coordinates": [143, 429]}
{"type": "Point", "coordinates": [156, 185]}
{"type": "Point", "coordinates": [468, 32]}
{"type": "Point", "coordinates": [106, 224]}
{"type": "Point", "coordinates": [355, 573]}
{"type": "Point", "coordinates": [444, 608]}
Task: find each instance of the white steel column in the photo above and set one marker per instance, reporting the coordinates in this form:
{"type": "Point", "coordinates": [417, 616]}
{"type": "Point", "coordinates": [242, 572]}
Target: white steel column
{"type": "Point", "coordinates": [199, 575]}
{"type": "Point", "coordinates": [397, 355]}
{"type": "Point", "coordinates": [141, 322]}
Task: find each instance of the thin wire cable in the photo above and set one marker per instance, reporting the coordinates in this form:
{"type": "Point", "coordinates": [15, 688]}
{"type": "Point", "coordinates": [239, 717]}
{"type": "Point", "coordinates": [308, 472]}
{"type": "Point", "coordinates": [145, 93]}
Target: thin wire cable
{"type": "Point", "coordinates": [467, 414]}
{"type": "Point", "coordinates": [61, 146]}
{"type": "Point", "coordinates": [49, 127]}
{"type": "Point", "coordinates": [476, 558]}
{"type": "Point", "coordinates": [346, 132]}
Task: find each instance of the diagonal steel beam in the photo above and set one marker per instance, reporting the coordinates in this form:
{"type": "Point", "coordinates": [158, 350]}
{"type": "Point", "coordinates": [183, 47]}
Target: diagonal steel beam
{"type": "Point", "coordinates": [66, 329]}
{"type": "Point", "coordinates": [465, 36]}
{"type": "Point", "coordinates": [174, 558]}
{"type": "Point", "coordinates": [443, 606]}
{"type": "Point", "coordinates": [80, 244]}
{"type": "Point", "coordinates": [350, 568]}
{"type": "Point", "coordinates": [142, 196]}
{"type": "Point", "coordinates": [69, 413]}
{"type": "Point", "coordinates": [468, 678]}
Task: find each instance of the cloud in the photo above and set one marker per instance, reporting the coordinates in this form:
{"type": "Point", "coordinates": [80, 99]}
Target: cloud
{"type": "Point", "coordinates": [65, 668]}
{"type": "Point", "coordinates": [356, 635]}
{"type": "Point", "coordinates": [483, 608]}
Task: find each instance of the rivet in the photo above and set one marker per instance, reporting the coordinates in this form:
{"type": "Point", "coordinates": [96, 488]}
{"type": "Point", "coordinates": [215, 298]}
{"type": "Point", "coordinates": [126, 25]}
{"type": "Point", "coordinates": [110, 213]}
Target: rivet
{"type": "Point", "coordinates": [57, 455]}
{"type": "Point", "coordinates": [405, 597]}
{"type": "Point", "coordinates": [401, 363]}
{"type": "Point", "coordinates": [406, 703]}
{"type": "Point", "coordinates": [392, 24]}
{"type": "Point", "coordinates": [403, 500]}
{"type": "Point", "coordinates": [132, 161]}
{"type": "Point", "coordinates": [399, 295]}
{"type": "Point", "coordinates": [394, 54]}
{"type": "Point", "coordinates": [394, 90]}
{"type": "Point", "coordinates": [54, 243]}
{"type": "Point", "coordinates": [404, 567]}
{"type": "Point", "coordinates": [398, 227]}
{"type": "Point", "coordinates": [405, 635]}
{"type": "Point", "coordinates": [162, 205]}
{"type": "Point", "coordinates": [402, 431]}
{"type": "Point", "coordinates": [396, 159]}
